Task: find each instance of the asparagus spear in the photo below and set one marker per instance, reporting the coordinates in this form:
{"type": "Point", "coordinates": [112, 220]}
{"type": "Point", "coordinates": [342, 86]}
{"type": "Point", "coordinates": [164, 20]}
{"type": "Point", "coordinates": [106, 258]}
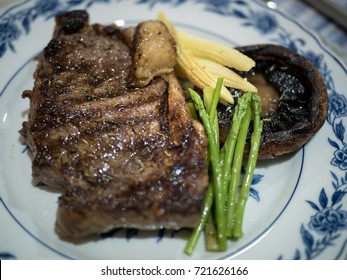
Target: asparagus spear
{"type": "Point", "coordinates": [236, 169]}
{"type": "Point", "coordinates": [215, 165]}
{"type": "Point", "coordinates": [194, 237]}
{"type": "Point", "coordinates": [209, 98]}
{"type": "Point", "coordinates": [251, 163]}
{"type": "Point", "coordinates": [230, 143]}
{"type": "Point", "coordinates": [211, 235]}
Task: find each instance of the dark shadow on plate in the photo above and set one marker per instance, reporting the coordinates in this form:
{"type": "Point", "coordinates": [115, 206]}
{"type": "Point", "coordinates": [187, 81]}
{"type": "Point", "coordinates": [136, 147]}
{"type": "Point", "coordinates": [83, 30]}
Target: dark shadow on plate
{"type": "Point", "coordinates": [135, 234]}
{"type": "Point", "coordinates": [265, 163]}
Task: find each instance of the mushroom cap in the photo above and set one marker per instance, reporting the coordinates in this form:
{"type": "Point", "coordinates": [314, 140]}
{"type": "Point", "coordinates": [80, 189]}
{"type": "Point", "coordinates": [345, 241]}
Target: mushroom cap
{"type": "Point", "coordinates": [303, 101]}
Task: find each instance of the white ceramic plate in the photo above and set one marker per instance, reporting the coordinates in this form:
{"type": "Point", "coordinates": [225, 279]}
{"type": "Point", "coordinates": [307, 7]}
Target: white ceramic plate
{"type": "Point", "coordinates": [298, 206]}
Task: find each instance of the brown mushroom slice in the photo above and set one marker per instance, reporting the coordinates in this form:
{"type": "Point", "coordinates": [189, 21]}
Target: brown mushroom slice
{"type": "Point", "coordinates": [294, 97]}
{"type": "Point", "coordinates": [154, 52]}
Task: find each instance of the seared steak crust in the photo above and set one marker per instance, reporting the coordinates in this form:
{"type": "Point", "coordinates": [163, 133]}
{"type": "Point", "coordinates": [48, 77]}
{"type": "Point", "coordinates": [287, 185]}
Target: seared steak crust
{"type": "Point", "coordinates": [125, 157]}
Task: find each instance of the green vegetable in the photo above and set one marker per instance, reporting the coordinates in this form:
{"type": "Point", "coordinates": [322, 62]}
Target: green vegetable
{"type": "Point", "coordinates": [251, 163]}
{"type": "Point", "coordinates": [194, 238]}
{"type": "Point", "coordinates": [209, 97]}
{"type": "Point", "coordinates": [220, 218]}
{"type": "Point", "coordinates": [211, 235]}
{"type": "Point", "coordinates": [236, 167]}
{"type": "Point", "coordinates": [224, 204]}
{"type": "Point", "coordinates": [192, 110]}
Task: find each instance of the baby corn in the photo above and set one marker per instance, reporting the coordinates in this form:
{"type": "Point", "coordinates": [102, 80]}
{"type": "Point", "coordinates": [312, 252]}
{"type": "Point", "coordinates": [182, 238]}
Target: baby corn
{"type": "Point", "coordinates": [216, 52]}
{"type": "Point", "coordinates": [196, 73]}
{"type": "Point", "coordinates": [231, 79]}
{"type": "Point", "coordinates": [202, 62]}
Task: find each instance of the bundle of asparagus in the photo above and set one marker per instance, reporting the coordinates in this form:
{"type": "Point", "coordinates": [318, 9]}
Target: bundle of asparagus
{"type": "Point", "coordinates": [224, 203]}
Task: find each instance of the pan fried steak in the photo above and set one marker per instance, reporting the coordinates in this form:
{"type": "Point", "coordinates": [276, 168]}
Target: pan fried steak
{"type": "Point", "coordinates": [124, 156]}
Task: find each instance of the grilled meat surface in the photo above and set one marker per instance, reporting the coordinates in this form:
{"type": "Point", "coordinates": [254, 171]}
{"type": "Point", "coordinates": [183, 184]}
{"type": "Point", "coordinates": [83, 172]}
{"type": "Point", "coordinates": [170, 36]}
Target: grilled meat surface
{"type": "Point", "coordinates": [124, 156]}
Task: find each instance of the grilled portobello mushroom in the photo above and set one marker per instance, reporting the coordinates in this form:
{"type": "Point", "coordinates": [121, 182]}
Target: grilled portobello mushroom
{"type": "Point", "coordinates": [294, 97]}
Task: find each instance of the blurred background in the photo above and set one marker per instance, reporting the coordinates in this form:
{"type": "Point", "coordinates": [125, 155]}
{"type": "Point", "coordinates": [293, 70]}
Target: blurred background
{"type": "Point", "coordinates": [327, 17]}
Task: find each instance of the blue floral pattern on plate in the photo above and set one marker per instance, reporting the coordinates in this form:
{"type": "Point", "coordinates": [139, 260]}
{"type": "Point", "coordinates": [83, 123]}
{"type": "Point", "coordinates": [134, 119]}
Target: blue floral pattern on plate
{"type": "Point", "coordinates": [328, 221]}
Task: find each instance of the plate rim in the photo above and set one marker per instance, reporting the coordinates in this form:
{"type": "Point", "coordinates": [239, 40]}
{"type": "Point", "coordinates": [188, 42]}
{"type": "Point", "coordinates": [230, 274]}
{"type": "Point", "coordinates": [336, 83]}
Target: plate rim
{"type": "Point", "coordinates": [302, 27]}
